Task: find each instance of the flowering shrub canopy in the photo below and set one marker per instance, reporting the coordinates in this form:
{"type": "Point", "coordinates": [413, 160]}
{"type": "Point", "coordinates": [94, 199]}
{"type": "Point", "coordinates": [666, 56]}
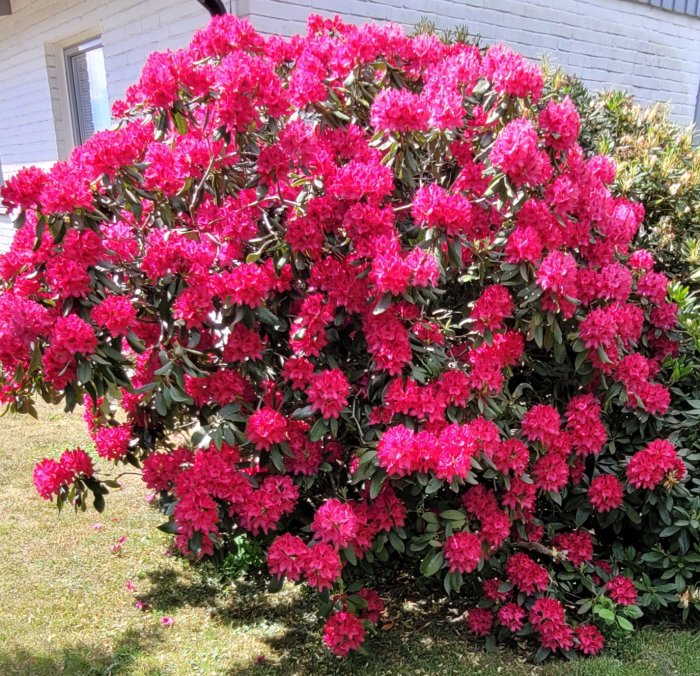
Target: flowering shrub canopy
{"type": "Point", "coordinates": [657, 164]}
{"type": "Point", "coordinates": [360, 296]}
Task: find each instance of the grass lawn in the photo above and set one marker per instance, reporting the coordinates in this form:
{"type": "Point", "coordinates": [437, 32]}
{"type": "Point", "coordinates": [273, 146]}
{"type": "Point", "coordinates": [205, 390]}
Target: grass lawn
{"type": "Point", "coordinates": [65, 607]}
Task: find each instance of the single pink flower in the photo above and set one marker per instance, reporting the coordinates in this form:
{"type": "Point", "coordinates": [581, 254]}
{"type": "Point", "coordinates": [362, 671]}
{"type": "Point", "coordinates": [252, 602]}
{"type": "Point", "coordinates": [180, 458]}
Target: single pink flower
{"type": "Point", "coordinates": [117, 547]}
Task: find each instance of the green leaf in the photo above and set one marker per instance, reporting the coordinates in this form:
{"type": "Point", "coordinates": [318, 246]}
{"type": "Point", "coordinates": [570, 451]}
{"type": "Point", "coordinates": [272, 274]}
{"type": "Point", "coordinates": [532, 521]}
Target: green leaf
{"type": "Point", "coordinates": [632, 514]}
{"type": "Point", "coordinates": [99, 502]}
{"type": "Point", "coordinates": [165, 369]}
{"type": "Point", "coordinates": [319, 430]}
{"type": "Point", "coordinates": [453, 515]}
{"type": "Point", "coordinates": [585, 607]}
{"type": "Point", "coordinates": [136, 344]}
{"type": "Point", "coordinates": [605, 614]}
{"type": "Point", "coordinates": [301, 413]}
{"type": "Point", "coordinates": [277, 460]}
{"type": "Point", "coordinates": [375, 486]}
{"type": "Point", "coordinates": [350, 555]}
{"type": "Point", "coordinates": [396, 542]}
{"type": "Point", "coordinates": [432, 562]}
{"type": "Point", "coordinates": [454, 251]}
{"type": "Point", "coordinates": [447, 583]}
{"type": "Point", "coordinates": [433, 486]}
{"type": "Point", "coordinates": [383, 303]}
{"type": "Point", "coordinates": [180, 122]}
{"type": "Point", "coordinates": [357, 602]}
{"type": "Point", "coordinates": [624, 623]}
{"type": "Point", "coordinates": [541, 655]}
{"type": "Point", "coordinates": [84, 372]}
{"type": "Point", "coordinates": [668, 531]}
{"type": "Point", "coordinates": [556, 332]}
{"type": "Point", "coordinates": [367, 457]}
{"type": "Point", "coordinates": [195, 543]}
{"type": "Point", "coordinates": [179, 396]}
{"type": "Point", "coordinates": [581, 516]}
{"type": "Point", "coordinates": [633, 612]}
{"type": "Point", "coordinates": [161, 407]}
{"type": "Point", "coordinates": [581, 359]}
{"type": "Point", "coordinates": [270, 319]}
{"type": "Point", "coordinates": [169, 527]}
{"type": "Point", "coordinates": [603, 355]}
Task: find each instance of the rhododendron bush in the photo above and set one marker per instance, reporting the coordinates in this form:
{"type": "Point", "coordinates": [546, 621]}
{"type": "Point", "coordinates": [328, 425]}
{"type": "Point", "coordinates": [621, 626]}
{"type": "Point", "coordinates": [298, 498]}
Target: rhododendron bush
{"type": "Point", "coordinates": [361, 297]}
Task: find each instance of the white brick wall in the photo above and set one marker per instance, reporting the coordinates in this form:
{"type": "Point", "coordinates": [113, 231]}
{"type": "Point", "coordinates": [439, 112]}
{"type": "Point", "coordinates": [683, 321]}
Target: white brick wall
{"type": "Point", "coordinates": [130, 29]}
{"type": "Point", "coordinates": [34, 124]}
{"type": "Point", "coordinates": [6, 232]}
{"type": "Point", "coordinates": [621, 43]}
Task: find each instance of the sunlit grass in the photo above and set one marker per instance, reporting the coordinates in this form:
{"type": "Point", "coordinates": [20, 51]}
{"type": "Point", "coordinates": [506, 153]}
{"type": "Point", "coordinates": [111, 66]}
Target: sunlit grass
{"type": "Point", "coordinates": [65, 609]}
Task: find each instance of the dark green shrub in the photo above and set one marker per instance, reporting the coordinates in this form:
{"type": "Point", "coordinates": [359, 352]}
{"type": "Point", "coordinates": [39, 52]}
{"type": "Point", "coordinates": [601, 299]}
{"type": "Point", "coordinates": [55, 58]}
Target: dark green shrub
{"type": "Point", "coordinates": [657, 165]}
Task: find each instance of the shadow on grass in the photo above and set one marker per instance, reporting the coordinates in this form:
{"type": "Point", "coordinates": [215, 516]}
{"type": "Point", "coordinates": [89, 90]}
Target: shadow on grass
{"type": "Point", "coordinates": [78, 660]}
{"type": "Point", "coordinates": [286, 622]}
{"type": "Point", "coordinates": [241, 603]}
{"type": "Point", "coordinates": [169, 589]}
{"type": "Point", "coordinates": [421, 633]}
{"type": "Point", "coordinates": [415, 636]}
{"type": "Point", "coordinates": [413, 644]}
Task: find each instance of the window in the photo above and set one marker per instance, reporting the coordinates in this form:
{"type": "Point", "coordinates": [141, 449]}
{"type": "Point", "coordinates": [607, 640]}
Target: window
{"type": "Point", "coordinates": [87, 89]}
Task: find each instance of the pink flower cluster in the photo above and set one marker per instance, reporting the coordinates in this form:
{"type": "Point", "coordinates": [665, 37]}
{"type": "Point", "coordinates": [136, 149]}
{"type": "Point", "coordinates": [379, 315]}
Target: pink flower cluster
{"type": "Point", "coordinates": [605, 493]}
{"type": "Point", "coordinates": [328, 392]}
{"type": "Point", "coordinates": [343, 633]}
{"type": "Point", "coordinates": [635, 371]}
{"type": "Point", "coordinates": [462, 552]}
{"type": "Point", "coordinates": [655, 463]}
{"type": "Point", "coordinates": [622, 590]}
{"type": "Point", "coordinates": [447, 455]}
{"type": "Point", "coordinates": [545, 614]}
{"type": "Point", "coordinates": [288, 556]}
{"type": "Point", "coordinates": [347, 525]}
{"type": "Point", "coordinates": [51, 476]}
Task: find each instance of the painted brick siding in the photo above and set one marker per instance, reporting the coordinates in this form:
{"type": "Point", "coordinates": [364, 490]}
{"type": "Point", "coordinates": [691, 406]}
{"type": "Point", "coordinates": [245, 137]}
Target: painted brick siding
{"type": "Point", "coordinates": [622, 43]}
{"type": "Point", "coordinates": [129, 29]}
{"type": "Point", "coordinates": [34, 124]}
{"type": "Point", "coordinates": [6, 232]}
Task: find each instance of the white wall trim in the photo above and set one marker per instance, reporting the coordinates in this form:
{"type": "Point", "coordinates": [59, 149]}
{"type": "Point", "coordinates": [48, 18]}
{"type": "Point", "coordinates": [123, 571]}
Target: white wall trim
{"type": "Point", "coordinates": [58, 85]}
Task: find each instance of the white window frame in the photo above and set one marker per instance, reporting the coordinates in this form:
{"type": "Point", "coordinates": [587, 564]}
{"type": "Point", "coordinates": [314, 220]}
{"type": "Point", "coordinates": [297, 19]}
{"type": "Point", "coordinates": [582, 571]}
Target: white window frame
{"type": "Point", "coordinates": [69, 53]}
{"type": "Point", "coordinates": [58, 87]}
